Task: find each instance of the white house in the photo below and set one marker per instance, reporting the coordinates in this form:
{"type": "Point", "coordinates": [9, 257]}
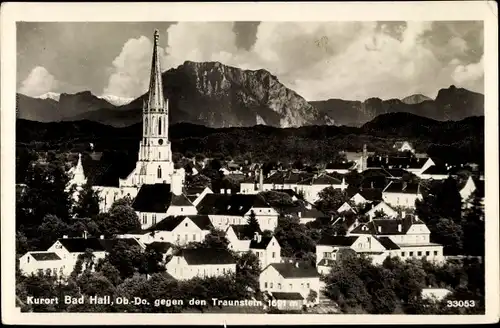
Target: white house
{"type": "Point", "coordinates": [201, 262]}
{"type": "Point", "coordinates": [471, 186]}
{"type": "Point", "coordinates": [372, 209]}
{"type": "Point", "coordinates": [33, 262]}
{"type": "Point", "coordinates": [435, 172]}
{"type": "Point", "coordinates": [155, 202]}
{"type": "Point", "coordinates": [225, 210]}
{"type": "Point", "coordinates": [267, 249]}
{"type": "Point", "coordinates": [311, 187]}
{"type": "Point", "coordinates": [179, 230]}
{"type": "Point", "coordinates": [402, 193]}
{"type": "Point", "coordinates": [437, 294]}
{"type": "Point", "coordinates": [409, 233]}
{"type": "Point", "coordinates": [366, 195]}
{"type": "Point", "coordinates": [68, 250]}
{"type": "Point", "coordinates": [290, 278]}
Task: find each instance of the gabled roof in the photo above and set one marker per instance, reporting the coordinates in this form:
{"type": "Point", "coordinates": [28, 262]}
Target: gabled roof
{"type": "Point", "coordinates": [193, 191]}
{"type": "Point", "coordinates": [264, 242]}
{"type": "Point", "coordinates": [171, 222]}
{"type": "Point", "coordinates": [241, 231]}
{"type": "Point", "coordinates": [322, 179]}
{"type": "Point", "coordinates": [108, 169]}
{"type": "Point", "coordinates": [370, 194]}
{"type": "Point", "coordinates": [180, 200]}
{"type": "Point", "coordinates": [45, 256]}
{"type": "Point", "coordinates": [289, 270]}
{"type": "Point", "coordinates": [80, 245]}
{"type": "Point", "coordinates": [387, 243]}
{"type": "Point", "coordinates": [402, 187]}
{"type": "Point", "coordinates": [344, 241]}
{"type": "Point", "coordinates": [203, 256]}
{"type": "Point", "coordinates": [387, 226]}
{"type": "Point", "coordinates": [233, 204]}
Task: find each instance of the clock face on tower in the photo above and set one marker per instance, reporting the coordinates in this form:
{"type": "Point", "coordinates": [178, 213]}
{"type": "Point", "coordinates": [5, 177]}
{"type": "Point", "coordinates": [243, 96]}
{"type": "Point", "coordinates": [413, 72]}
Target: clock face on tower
{"type": "Point", "coordinates": [160, 142]}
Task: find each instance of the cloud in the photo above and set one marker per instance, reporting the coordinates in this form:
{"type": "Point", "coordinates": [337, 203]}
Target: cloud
{"type": "Point", "coordinates": [319, 60]}
{"type": "Point", "coordinates": [38, 82]}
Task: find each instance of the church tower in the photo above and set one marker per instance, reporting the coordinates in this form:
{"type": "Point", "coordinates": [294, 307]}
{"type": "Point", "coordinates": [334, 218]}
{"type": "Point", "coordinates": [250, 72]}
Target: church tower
{"type": "Point", "coordinates": [155, 155]}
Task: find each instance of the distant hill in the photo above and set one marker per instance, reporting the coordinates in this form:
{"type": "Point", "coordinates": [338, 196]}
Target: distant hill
{"type": "Point", "coordinates": [217, 95]}
{"type": "Point", "coordinates": [450, 104]}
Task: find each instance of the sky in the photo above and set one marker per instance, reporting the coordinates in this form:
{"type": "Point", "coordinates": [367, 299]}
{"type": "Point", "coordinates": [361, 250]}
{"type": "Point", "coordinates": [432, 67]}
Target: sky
{"type": "Point", "coordinates": [319, 60]}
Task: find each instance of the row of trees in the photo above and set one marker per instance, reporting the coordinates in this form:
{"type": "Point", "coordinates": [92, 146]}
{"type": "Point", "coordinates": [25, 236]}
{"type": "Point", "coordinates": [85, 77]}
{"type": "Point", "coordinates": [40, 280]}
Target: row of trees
{"type": "Point", "coordinates": [358, 286]}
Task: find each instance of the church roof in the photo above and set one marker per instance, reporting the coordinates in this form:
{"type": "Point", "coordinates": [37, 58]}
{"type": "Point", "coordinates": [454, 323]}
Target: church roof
{"type": "Point", "coordinates": [156, 101]}
{"type": "Point", "coordinates": [153, 198]}
{"type": "Point", "coordinates": [107, 171]}
{"type": "Point", "coordinates": [203, 256]}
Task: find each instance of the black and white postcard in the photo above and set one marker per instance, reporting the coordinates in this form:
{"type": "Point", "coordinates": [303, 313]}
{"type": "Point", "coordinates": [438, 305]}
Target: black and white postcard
{"type": "Point", "coordinates": [249, 163]}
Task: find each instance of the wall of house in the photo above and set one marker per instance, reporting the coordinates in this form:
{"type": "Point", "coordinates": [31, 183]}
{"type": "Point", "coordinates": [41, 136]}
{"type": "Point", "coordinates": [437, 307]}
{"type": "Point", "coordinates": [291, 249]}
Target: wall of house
{"type": "Point", "coordinates": [28, 265]}
{"type": "Point", "coordinates": [384, 208]}
{"type": "Point", "coordinates": [434, 176]}
{"type": "Point", "coordinates": [272, 254]}
{"type": "Point", "coordinates": [325, 252]}
{"type": "Point", "coordinates": [148, 219]}
{"type": "Point", "coordinates": [430, 252]}
{"type": "Point", "coordinates": [247, 188]}
{"type": "Point", "coordinates": [272, 281]}
{"type": "Point", "coordinates": [187, 231]}
{"type": "Point", "coordinates": [401, 199]}
{"type": "Point", "coordinates": [179, 269]}
{"type": "Point", "coordinates": [222, 222]}
{"type": "Point", "coordinates": [181, 210]}
{"type": "Point", "coordinates": [358, 199]}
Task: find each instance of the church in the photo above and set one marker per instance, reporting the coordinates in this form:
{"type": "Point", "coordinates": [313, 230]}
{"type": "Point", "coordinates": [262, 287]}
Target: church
{"type": "Point", "coordinates": [154, 163]}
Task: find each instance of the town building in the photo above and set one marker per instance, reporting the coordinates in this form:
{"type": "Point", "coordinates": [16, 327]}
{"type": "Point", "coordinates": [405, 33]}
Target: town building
{"type": "Point", "coordinates": [201, 262]}
{"type": "Point", "coordinates": [225, 210]}
{"type": "Point", "coordinates": [402, 193]}
{"type": "Point", "coordinates": [403, 146]}
{"type": "Point", "coordinates": [195, 195]}
{"type": "Point", "coordinates": [290, 278]}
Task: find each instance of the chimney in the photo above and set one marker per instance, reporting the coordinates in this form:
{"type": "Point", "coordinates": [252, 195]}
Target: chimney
{"type": "Point", "coordinates": [379, 228]}
{"type": "Point", "coordinates": [222, 190]}
{"type": "Point", "coordinates": [176, 184]}
{"type": "Point", "coordinates": [256, 236]}
{"type": "Point", "coordinates": [65, 237]}
{"type": "Point", "coordinates": [416, 217]}
{"type": "Point", "coordinates": [371, 184]}
{"type": "Point", "coordinates": [85, 234]}
{"type": "Point", "coordinates": [228, 191]}
{"type": "Point", "coordinates": [102, 237]}
{"type": "Point", "coordinates": [259, 238]}
{"type": "Point", "coordinates": [386, 159]}
{"type": "Point", "coordinates": [296, 264]}
{"type": "Point", "coordinates": [399, 227]}
{"type": "Point", "coordinates": [299, 214]}
{"type": "Point", "coordinates": [261, 180]}
{"type": "Point", "coordinates": [403, 214]}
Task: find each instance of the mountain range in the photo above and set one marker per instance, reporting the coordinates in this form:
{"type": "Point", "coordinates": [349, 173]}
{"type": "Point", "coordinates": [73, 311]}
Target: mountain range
{"type": "Point", "coordinates": [217, 95]}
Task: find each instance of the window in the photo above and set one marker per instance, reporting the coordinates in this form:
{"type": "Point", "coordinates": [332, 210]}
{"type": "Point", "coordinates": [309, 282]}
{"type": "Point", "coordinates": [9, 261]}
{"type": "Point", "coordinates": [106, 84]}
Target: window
{"type": "Point", "coordinates": [265, 285]}
{"type": "Point", "coordinates": [154, 218]}
{"type": "Point", "coordinates": [308, 285]}
{"type": "Point", "coordinates": [145, 127]}
{"type": "Point", "coordinates": [186, 237]}
{"type": "Point", "coordinates": [159, 172]}
{"type": "Point", "coordinates": [435, 253]}
{"type": "Point", "coordinates": [427, 253]}
{"type": "Point", "coordinates": [270, 285]}
{"type": "Point", "coordinates": [273, 255]}
{"type": "Point", "coordinates": [217, 270]}
{"type": "Point", "coordinates": [178, 260]}
{"type": "Point", "coordinates": [178, 237]}
{"type": "Point", "coordinates": [402, 254]}
{"type": "Point", "coordinates": [290, 286]}
{"type": "Point", "coordinates": [419, 253]}
{"type": "Point", "coordinates": [144, 219]}
{"type": "Point", "coordinates": [279, 286]}
{"type": "Point", "coordinates": [302, 285]}
{"type": "Point", "coordinates": [223, 270]}
{"type": "Point", "coordinates": [186, 224]}
{"type": "Point", "coordinates": [194, 237]}
{"type": "Point", "coordinates": [159, 126]}
{"type": "Point", "coordinates": [411, 253]}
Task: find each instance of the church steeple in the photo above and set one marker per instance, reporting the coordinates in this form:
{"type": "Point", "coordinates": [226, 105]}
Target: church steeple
{"type": "Point", "coordinates": [156, 101]}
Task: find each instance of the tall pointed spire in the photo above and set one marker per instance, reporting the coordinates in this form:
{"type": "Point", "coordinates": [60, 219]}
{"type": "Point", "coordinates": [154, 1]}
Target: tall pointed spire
{"type": "Point", "coordinates": [156, 100]}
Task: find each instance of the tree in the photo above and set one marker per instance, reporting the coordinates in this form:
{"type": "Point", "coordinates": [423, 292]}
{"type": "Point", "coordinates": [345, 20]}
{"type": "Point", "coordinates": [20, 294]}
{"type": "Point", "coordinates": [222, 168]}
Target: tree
{"type": "Point", "coordinates": [330, 199]}
{"type": "Point", "coordinates": [293, 237]}
{"type": "Point", "coordinates": [215, 239]}
{"type": "Point", "coordinates": [252, 224]}
{"type": "Point", "coordinates": [50, 231]}
{"type": "Point", "coordinates": [88, 203]}
{"type": "Point", "coordinates": [247, 273]}
{"type": "Point", "coordinates": [312, 297]}
{"type": "Point", "coordinates": [125, 259]}
{"type": "Point", "coordinates": [119, 219]}
{"type": "Point", "coordinates": [198, 181]}
{"type": "Point", "coordinates": [277, 199]}
{"type": "Point", "coordinates": [473, 227]}
{"type": "Point", "coordinates": [153, 260]}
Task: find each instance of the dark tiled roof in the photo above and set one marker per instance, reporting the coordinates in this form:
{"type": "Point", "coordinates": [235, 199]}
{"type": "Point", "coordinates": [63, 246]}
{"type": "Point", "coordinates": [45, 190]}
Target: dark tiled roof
{"type": "Point", "coordinates": [287, 177]}
{"type": "Point", "coordinates": [346, 220]}
{"type": "Point", "coordinates": [264, 242]}
{"type": "Point", "coordinates": [45, 256]}
{"type": "Point", "coordinates": [289, 270]}
{"type": "Point", "coordinates": [171, 222]}
{"type": "Point", "coordinates": [387, 226]}
{"type": "Point", "coordinates": [80, 245]}
{"type": "Point", "coordinates": [241, 231]}
{"type": "Point", "coordinates": [156, 198]}
{"type": "Point", "coordinates": [180, 200]}
{"type": "Point", "coordinates": [108, 169]}
{"type": "Point", "coordinates": [436, 169]}
{"type": "Point", "coordinates": [479, 187]}
{"type": "Point", "coordinates": [396, 172]}
{"type": "Point", "coordinates": [287, 296]}
{"type": "Point", "coordinates": [233, 204]}
{"type": "Point", "coordinates": [202, 221]}
{"type": "Point", "coordinates": [193, 191]}
{"type": "Point", "coordinates": [322, 179]}
{"type": "Point", "coordinates": [400, 162]}
{"type": "Point", "coordinates": [387, 243]}
{"type": "Point", "coordinates": [403, 187]}
{"type": "Point", "coordinates": [337, 240]}
{"type": "Point", "coordinates": [201, 256]}
{"type": "Point", "coordinates": [192, 198]}
{"type": "Point", "coordinates": [370, 194]}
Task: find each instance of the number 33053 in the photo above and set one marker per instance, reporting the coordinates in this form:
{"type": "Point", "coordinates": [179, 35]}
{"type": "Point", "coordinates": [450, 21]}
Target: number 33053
{"type": "Point", "coordinates": [461, 303]}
